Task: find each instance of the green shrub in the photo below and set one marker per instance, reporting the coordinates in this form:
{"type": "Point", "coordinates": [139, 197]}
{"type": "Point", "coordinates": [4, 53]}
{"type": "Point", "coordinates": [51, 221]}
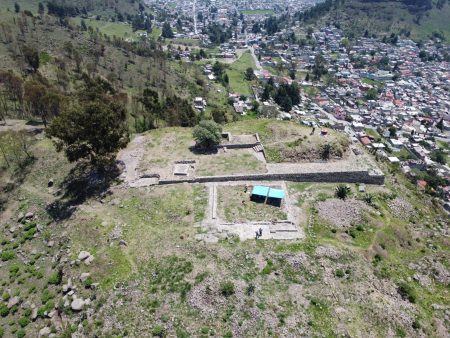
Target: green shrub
{"type": "Point", "coordinates": [88, 282]}
{"type": "Point", "coordinates": [4, 311]}
{"type": "Point", "coordinates": [407, 292]}
{"type": "Point", "coordinates": [29, 234]}
{"type": "Point", "coordinates": [342, 191]}
{"type": "Point", "coordinates": [46, 296]}
{"type": "Point", "coordinates": [55, 278]}
{"type": "Point", "coordinates": [24, 321]}
{"type": "Point", "coordinates": [268, 268]}
{"type": "Point", "coordinates": [339, 273]}
{"type": "Point", "coordinates": [21, 333]}
{"type": "Point", "coordinates": [14, 270]}
{"type": "Point", "coordinates": [7, 255]}
{"type": "Point", "coordinates": [227, 288]}
{"type": "Point", "coordinates": [5, 296]}
{"type": "Point", "coordinates": [158, 331]}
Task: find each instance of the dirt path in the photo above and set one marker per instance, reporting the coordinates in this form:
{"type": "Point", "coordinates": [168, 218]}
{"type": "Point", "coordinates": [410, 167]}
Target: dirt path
{"type": "Point", "coordinates": [131, 157]}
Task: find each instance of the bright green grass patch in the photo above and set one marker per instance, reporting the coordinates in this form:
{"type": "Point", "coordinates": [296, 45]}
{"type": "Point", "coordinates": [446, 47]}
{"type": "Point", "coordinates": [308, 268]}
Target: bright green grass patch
{"type": "Point", "coordinates": [236, 74]}
{"type": "Point", "coordinates": [372, 132]}
{"type": "Point", "coordinates": [257, 12]}
{"type": "Point", "coordinates": [29, 5]}
{"type": "Point", "coordinates": [311, 91]}
{"type": "Point", "coordinates": [118, 29]}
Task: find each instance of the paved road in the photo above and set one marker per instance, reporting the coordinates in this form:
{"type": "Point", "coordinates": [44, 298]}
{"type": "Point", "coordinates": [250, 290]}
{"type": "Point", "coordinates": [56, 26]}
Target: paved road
{"type": "Point", "coordinates": [195, 18]}
{"type": "Point", "coordinates": [257, 63]}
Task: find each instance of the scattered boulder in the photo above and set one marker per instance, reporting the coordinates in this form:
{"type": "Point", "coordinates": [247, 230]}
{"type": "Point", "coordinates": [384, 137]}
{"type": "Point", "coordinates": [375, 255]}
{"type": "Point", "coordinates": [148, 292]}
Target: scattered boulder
{"type": "Point", "coordinates": [85, 257]}
{"type": "Point", "coordinates": [29, 215]}
{"type": "Point", "coordinates": [20, 217]}
{"type": "Point", "coordinates": [77, 304]}
{"type": "Point", "coordinates": [84, 276]}
{"type": "Point", "coordinates": [50, 183]}
{"type": "Point", "coordinates": [34, 313]}
{"type": "Point", "coordinates": [13, 301]}
{"type": "Point", "coordinates": [44, 332]}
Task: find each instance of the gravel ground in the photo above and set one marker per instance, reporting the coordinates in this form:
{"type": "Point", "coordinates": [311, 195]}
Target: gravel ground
{"type": "Point", "coordinates": [401, 208]}
{"type": "Point", "coordinates": [341, 213]}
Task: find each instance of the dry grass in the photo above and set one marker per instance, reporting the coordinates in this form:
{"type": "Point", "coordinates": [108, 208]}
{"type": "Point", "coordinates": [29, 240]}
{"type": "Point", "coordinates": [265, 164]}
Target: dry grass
{"type": "Point", "coordinates": [232, 209]}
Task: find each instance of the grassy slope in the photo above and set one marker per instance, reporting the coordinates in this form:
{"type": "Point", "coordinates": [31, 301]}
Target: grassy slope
{"type": "Point", "coordinates": [238, 83]}
{"type": "Point", "coordinates": [98, 7]}
{"type": "Point", "coordinates": [164, 277]}
{"type": "Point", "coordinates": [388, 16]}
{"type": "Point", "coordinates": [133, 72]}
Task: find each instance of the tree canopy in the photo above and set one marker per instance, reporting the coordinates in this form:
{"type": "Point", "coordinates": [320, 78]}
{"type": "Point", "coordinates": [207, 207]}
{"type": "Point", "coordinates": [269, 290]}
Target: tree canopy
{"type": "Point", "coordinates": [207, 134]}
{"type": "Point", "coordinates": [93, 129]}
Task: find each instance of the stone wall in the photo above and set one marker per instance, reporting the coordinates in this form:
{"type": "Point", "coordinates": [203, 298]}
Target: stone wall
{"type": "Point", "coordinates": [325, 177]}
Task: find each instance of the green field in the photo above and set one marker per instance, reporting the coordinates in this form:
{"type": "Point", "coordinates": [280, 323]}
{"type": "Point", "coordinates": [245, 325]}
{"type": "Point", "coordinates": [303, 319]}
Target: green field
{"type": "Point", "coordinates": [238, 83]}
{"type": "Point", "coordinates": [28, 5]}
{"type": "Point", "coordinates": [258, 12]}
{"type": "Point", "coordinates": [109, 28]}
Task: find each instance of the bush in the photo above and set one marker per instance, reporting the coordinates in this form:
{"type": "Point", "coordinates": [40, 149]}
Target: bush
{"type": "Point", "coordinates": [407, 292]}
{"type": "Point", "coordinates": [227, 288]}
{"type": "Point", "coordinates": [158, 331]}
{"type": "Point", "coordinates": [14, 271]}
{"type": "Point", "coordinates": [7, 255]}
{"type": "Point", "coordinates": [55, 278]}
{"type": "Point", "coordinates": [339, 273]}
{"type": "Point", "coordinates": [21, 333]}
{"type": "Point", "coordinates": [23, 321]}
{"type": "Point", "coordinates": [88, 282]}
{"type": "Point", "coordinates": [4, 311]}
{"type": "Point", "coordinates": [342, 191]}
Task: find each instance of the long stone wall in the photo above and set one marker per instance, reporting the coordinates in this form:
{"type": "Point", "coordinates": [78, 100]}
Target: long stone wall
{"type": "Point", "coordinates": [326, 177]}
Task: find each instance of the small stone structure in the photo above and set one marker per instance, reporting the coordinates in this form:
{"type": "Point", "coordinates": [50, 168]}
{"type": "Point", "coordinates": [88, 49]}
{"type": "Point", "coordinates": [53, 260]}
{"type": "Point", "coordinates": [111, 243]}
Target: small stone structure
{"type": "Point", "coordinates": [239, 141]}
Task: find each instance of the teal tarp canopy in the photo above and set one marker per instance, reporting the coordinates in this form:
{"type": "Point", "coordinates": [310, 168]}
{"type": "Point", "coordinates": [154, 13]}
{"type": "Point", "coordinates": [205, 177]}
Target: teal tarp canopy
{"type": "Point", "coordinates": [276, 193]}
{"type": "Point", "coordinates": [260, 190]}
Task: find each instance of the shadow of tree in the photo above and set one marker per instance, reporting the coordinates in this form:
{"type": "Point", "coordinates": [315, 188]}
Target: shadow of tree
{"type": "Point", "coordinates": [84, 181]}
{"type": "Point", "coordinates": [203, 151]}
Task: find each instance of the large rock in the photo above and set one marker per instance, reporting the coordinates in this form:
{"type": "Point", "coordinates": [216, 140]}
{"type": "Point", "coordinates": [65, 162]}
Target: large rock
{"type": "Point", "coordinates": [44, 332]}
{"type": "Point", "coordinates": [77, 304]}
{"type": "Point", "coordinates": [83, 255]}
{"type": "Point", "coordinates": [20, 217]}
{"type": "Point", "coordinates": [84, 276]}
{"type": "Point", "coordinates": [13, 301]}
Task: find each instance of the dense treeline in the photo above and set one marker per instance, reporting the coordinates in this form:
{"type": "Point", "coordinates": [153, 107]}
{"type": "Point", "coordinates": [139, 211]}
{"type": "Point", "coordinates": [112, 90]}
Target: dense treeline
{"type": "Point", "coordinates": [285, 95]}
{"type": "Point", "coordinates": [26, 93]}
{"type": "Point", "coordinates": [63, 10]}
{"type": "Point", "coordinates": [318, 10]}
{"type": "Point", "coordinates": [218, 34]}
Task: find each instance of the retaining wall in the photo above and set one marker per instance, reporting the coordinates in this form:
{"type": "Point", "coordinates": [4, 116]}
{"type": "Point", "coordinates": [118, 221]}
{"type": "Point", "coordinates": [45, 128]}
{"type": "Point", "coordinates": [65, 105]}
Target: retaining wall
{"type": "Point", "coordinates": [238, 145]}
{"type": "Point", "coordinates": [326, 177]}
